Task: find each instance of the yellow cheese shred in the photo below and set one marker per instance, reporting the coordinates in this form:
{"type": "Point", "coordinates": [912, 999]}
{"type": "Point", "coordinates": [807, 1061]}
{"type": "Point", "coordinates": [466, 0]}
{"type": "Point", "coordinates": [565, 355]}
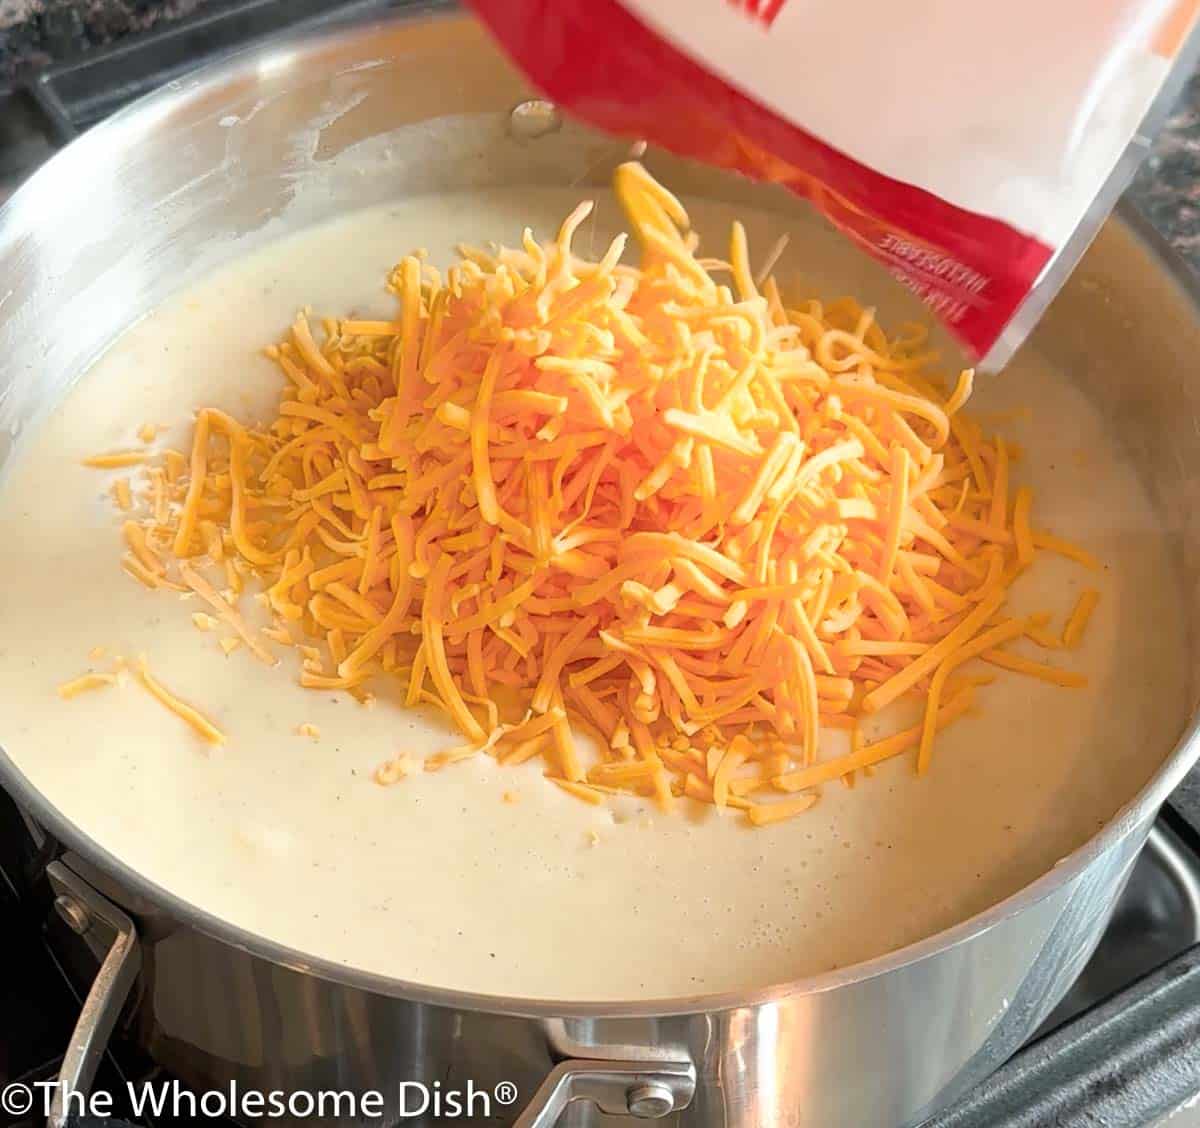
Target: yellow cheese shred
{"type": "Point", "coordinates": [559, 496]}
{"type": "Point", "coordinates": [122, 494]}
{"type": "Point", "coordinates": [192, 717]}
{"type": "Point", "coordinates": [393, 771]}
{"type": "Point", "coordinates": [83, 683]}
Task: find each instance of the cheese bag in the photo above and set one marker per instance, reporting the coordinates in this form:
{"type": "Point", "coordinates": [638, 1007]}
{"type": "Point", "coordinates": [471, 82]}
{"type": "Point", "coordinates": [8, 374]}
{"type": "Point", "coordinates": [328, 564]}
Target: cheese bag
{"type": "Point", "coordinates": [975, 149]}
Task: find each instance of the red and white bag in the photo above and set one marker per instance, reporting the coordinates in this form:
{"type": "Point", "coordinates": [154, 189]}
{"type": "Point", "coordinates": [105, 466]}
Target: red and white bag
{"type": "Point", "coordinates": [973, 148]}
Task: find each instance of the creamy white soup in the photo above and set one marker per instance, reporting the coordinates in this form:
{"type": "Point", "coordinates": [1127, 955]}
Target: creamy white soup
{"type": "Point", "coordinates": [437, 879]}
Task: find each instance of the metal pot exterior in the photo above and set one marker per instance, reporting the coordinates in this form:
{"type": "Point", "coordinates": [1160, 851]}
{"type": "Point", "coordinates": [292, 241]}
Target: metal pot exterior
{"type": "Point", "coordinates": [887, 1050]}
{"type": "Point", "coordinates": [217, 164]}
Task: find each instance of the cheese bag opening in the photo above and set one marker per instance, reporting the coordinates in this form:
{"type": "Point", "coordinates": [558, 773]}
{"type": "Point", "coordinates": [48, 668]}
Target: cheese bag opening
{"type": "Point", "coordinates": [974, 149]}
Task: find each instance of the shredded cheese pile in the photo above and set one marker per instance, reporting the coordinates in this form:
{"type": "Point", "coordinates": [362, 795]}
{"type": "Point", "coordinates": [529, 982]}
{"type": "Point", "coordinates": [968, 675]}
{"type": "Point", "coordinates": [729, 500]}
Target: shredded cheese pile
{"type": "Point", "coordinates": [653, 504]}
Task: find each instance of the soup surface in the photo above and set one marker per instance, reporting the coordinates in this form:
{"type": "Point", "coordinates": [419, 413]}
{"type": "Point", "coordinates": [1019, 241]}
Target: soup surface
{"type": "Point", "coordinates": [437, 879]}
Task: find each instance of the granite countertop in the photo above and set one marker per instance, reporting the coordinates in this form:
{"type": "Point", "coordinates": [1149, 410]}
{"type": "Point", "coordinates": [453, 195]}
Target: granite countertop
{"type": "Point", "coordinates": [36, 32]}
{"type": "Point", "coordinates": [1167, 186]}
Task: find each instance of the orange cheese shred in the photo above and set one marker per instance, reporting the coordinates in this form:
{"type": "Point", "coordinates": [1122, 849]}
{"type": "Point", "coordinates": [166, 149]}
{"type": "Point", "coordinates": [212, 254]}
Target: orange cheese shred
{"type": "Point", "coordinates": [1077, 621]}
{"type": "Point", "coordinates": [1068, 679]}
{"type": "Point", "coordinates": [116, 460]}
{"type": "Point", "coordinates": [763, 814]}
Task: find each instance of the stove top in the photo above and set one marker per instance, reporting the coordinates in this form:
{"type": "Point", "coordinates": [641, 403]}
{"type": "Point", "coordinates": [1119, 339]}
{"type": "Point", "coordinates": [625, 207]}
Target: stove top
{"type": "Point", "coordinates": [1122, 1049]}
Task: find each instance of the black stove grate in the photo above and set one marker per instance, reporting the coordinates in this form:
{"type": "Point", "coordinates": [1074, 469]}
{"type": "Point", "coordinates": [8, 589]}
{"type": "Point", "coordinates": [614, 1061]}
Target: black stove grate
{"type": "Point", "coordinates": [1127, 1061]}
{"type": "Point", "coordinates": [77, 94]}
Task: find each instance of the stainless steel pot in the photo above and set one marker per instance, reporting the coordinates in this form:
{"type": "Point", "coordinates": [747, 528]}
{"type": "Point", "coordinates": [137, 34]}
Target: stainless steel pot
{"type": "Point", "coordinates": [217, 163]}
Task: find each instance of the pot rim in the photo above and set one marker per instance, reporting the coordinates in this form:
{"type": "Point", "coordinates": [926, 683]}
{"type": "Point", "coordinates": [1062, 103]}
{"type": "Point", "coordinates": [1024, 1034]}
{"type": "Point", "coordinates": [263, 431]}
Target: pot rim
{"type": "Point", "coordinates": [1136, 811]}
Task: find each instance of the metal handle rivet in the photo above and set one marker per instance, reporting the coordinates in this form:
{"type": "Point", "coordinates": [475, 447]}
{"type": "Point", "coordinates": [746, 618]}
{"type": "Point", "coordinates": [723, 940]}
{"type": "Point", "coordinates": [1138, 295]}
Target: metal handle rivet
{"type": "Point", "coordinates": [534, 118]}
{"type": "Point", "coordinates": [73, 914]}
{"type": "Point", "coordinates": [649, 1102]}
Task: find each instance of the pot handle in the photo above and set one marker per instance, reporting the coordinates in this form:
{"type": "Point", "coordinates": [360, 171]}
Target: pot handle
{"type": "Point", "coordinates": [111, 935]}
{"type": "Point", "coordinates": [643, 1089]}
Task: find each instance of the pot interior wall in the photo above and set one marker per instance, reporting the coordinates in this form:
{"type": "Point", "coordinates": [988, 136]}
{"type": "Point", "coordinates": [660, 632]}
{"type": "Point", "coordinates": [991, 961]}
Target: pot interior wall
{"type": "Point", "coordinates": [1126, 330]}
